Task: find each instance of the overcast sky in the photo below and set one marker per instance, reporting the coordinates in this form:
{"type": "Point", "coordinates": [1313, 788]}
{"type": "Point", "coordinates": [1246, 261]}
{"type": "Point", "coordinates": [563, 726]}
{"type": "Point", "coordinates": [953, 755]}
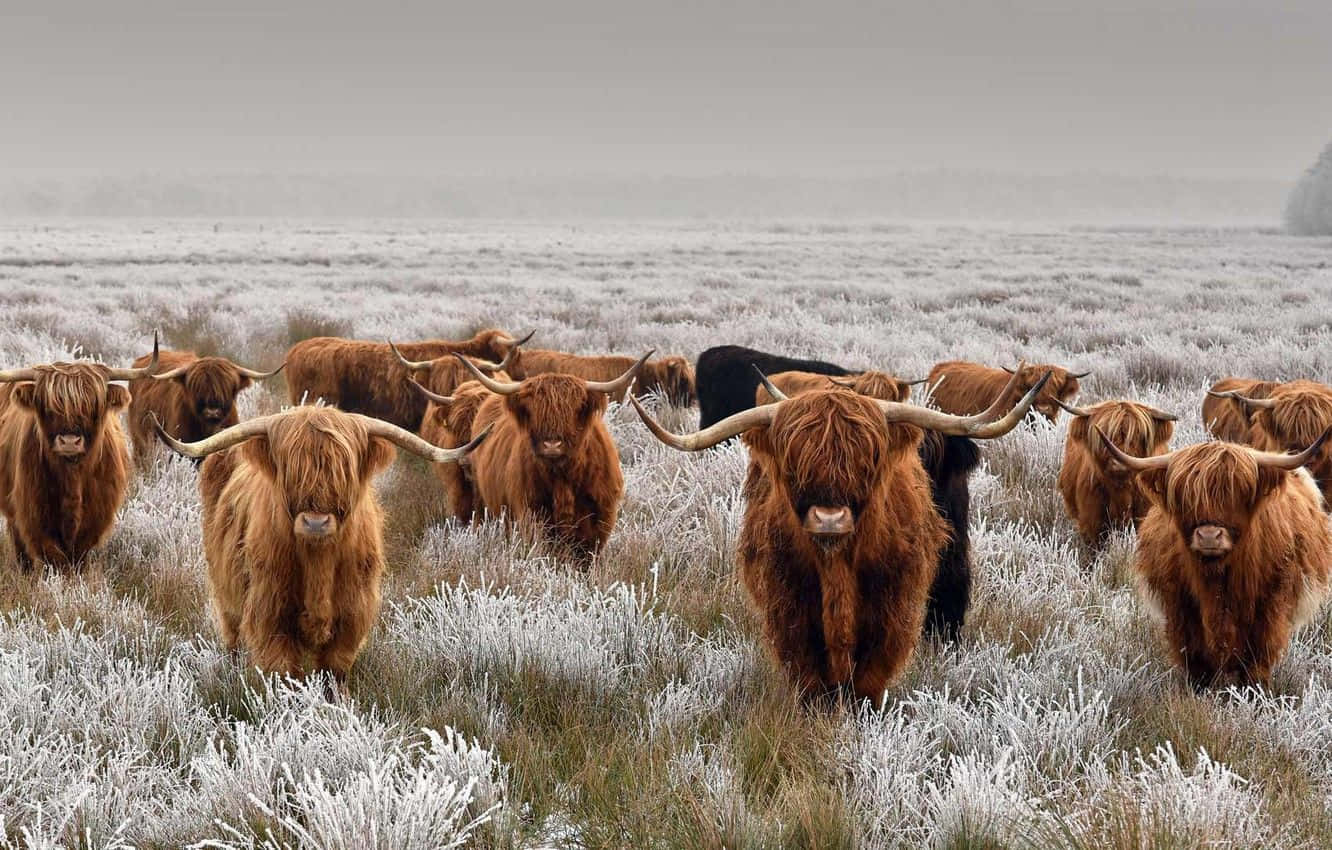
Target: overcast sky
{"type": "Point", "coordinates": [554, 87]}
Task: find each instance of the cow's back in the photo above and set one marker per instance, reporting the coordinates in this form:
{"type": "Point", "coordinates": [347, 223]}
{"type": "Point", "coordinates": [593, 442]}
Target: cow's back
{"type": "Point", "coordinates": [963, 388]}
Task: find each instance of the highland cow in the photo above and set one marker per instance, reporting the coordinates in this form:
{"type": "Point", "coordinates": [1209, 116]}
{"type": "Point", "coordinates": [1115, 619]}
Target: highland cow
{"type": "Point", "coordinates": [963, 388]}
{"type": "Point", "coordinates": [448, 423]}
{"type": "Point", "coordinates": [1228, 418]}
{"type": "Point", "coordinates": [64, 465]}
{"type": "Point", "coordinates": [550, 462]}
{"type": "Point", "coordinates": [1099, 492]}
{"type": "Point", "coordinates": [1293, 415]}
{"type": "Point", "coordinates": [841, 543]}
{"type": "Point", "coordinates": [1233, 555]}
{"type": "Point", "coordinates": [365, 377]}
{"type": "Point", "coordinates": [670, 377]}
{"type": "Point", "coordinates": [194, 398]}
{"type": "Point", "coordinates": [293, 532]}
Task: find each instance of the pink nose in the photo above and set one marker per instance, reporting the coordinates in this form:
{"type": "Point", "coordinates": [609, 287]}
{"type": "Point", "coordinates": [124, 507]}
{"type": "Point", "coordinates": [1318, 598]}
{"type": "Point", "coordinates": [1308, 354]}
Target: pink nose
{"type": "Point", "coordinates": [212, 413]}
{"type": "Point", "coordinates": [1211, 540]}
{"type": "Point", "coordinates": [309, 524]}
{"type": "Point", "coordinates": [69, 444]}
{"type": "Point", "coordinates": [825, 521]}
{"type": "Point", "coordinates": [552, 448]}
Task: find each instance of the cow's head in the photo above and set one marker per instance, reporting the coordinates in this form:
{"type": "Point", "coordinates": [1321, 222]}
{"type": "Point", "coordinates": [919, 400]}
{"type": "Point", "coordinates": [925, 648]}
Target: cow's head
{"type": "Point", "coordinates": [554, 410]}
{"type": "Point", "coordinates": [1211, 490]}
{"type": "Point", "coordinates": [1292, 416]}
{"type": "Point", "coordinates": [71, 402]}
{"type": "Point", "coordinates": [211, 385]}
{"type": "Point", "coordinates": [1062, 386]}
{"type": "Point", "coordinates": [673, 377]}
{"type": "Point", "coordinates": [830, 451]}
{"type": "Point", "coordinates": [442, 374]}
{"type": "Point", "coordinates": [879, 385]}
{"type": "Point", "coordinates": [1139, 429]}
{"type": "Point", "coordinates": [319, 459]}
{"type": "Point", "coordinates": [498, 345]}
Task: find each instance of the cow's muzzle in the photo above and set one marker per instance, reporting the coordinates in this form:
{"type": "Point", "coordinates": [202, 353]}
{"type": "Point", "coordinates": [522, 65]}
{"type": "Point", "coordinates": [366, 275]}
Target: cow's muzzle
{"type": "Point", "coordinates": [829, 525]}
{"type": "Point", "coordinates": [551, 449]}
{"type": "Point", "coordinates": [213, 414]}
{"type": "Point", "coordinates": [1211, 541]}
{"type": "Point", "coordinates": [315, 526]}
{"type": "Point", "coordinates": [69, 446]}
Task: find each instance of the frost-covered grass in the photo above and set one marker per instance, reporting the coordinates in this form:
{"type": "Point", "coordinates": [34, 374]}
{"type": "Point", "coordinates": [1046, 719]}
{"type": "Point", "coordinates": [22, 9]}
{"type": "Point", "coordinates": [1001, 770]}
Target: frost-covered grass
{"type": "Point", "coordinates": [509, 700]}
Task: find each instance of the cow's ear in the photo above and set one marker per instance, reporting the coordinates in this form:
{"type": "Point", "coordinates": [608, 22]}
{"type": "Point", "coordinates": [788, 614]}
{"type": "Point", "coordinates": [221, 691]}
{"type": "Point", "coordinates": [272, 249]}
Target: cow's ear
{"type": "Point", "coordinates": [758, 442]}
{"type": "Point", "coordinates": [516, 408]}
{"type": "Point", "coordinates": [1078, 428]}
{"type": "Point", "coordinates": [903, 391]}
{"type": "Point", "coordinates": [379, 454]}
{"type": "Point", "coordinates": [258, 453]}
{"type": "Point", "coordinates": [25, 395]}
{"type": "Point", "coordinates": [117, 397]}
{"type": "Point", "coordinates": [243, 383]}
{"type": "Point", "coordinates": [595, 404]}
{"type": "Point", "coordinates": [1068, 390]}
{"type": "Point", "coordinates": [1165, 429]}
{"type": "Point", "coordinates": [1154, 482]}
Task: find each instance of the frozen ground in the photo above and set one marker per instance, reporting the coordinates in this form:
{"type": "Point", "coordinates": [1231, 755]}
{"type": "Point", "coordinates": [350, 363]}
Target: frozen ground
{"type": "Point", "coordinates": [509, 701]}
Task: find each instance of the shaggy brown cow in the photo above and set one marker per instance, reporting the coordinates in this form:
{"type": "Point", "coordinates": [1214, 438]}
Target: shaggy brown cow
{"type": "Point", "coordinates": [873, 384]}
{"type": "Point", "coordinates": [448, 423]}
{"type": "Point", "coordinates": [63, 461]}
{"type": "Point", "coordinates": [671, 377]}
{"type": "Point", "coordinates": [365, 377]}
{"type": "Point", "coordinates": [1292, 416]}
{"type": "Point", "coordinates": [963, 388]}
{"type": "Point", "coordinates": [194, 398]}
{"type": "Point", "coordinates": [1099, 492]}
{"type": "Point", "coordinates": [841, 543]}
{"type": "Point", "coordinates": [551, 460]}
{"type": "Point", "coordinates": [293, 531]}
{"type": "Point", "coordinates": [1233, 555]}
{"type": "Point", "coordinates": [1227, 418]}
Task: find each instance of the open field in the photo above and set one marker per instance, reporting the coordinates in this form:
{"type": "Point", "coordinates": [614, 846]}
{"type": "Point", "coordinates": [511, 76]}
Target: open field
{"type": "Point", "coordinates": [511, 701]}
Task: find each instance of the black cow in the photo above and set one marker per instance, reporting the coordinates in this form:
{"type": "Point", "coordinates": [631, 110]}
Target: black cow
{"type": "Point", "coordinates": [727, 380]}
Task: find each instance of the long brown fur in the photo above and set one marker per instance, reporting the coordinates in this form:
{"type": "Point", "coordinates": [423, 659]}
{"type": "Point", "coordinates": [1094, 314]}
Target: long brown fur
{"type": "Point", "coordinates": [1228, 418]}
{"type": "Point", "coordinates": [849, 616]}
{"type": "Point", "coordinates": [1232, 618]}
{"type": "Point", "coordinates": [57, 510]}
{"type": "Point", "coordinates": [672, 377]}
{"type": "Point", "coordinates": [1100, 493]}
{"type": "Point", "coordinates": [872, 384]}
{"type": "Point", "coordinates": [365, 377]}
{"type": "Point", "coordinates": [963, 388]}
{"type": "Point", "coordinates": [282, 597]}
{"type": "Point", "coordinates": [210, 381]}
{"type": "Point", "coordinates": [450, 426]}
{"type": "Point", "coordinates": [577, 500]}
{"type": "Point", "coordinates": [1302, 408]}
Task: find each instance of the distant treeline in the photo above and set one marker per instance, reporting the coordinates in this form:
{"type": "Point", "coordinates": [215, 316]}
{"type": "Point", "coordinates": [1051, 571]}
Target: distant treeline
{"type": "Point", "coordinates": [933, 195]}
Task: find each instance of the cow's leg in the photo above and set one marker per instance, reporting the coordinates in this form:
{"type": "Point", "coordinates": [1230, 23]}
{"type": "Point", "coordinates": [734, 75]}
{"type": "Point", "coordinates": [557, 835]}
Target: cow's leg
{"type": "Point", "coordinates": [278, 653]}
{"type": "Point", "coordinates": [21, 555]}
{"type": "Point", "coordinates": [950, 594]}
{"type": "Point", "coordinates": [882, 663]}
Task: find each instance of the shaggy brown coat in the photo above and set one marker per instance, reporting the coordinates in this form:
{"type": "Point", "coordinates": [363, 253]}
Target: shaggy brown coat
{"type": "Point", "coordinates": [1099, 492]}
{"type": "Point", "coordinates": [1231, 617]}
{"type": "Point", "coordinates": [550, 460]}
{"type": "Point", "coordinates": [281, 595]}
{"type": "Point", "coordinates": [851, 613]}
{"type": "Point", "coordinates": [191, 406]}
{"type": "Point", "coordinates": [365, 377]}
{"type": "Point", "coordinates": [672, 377]}
{"type": "Point", "coordinates": [1301, 411]}
{"type": "Point", "coordinates": [963, 388]}
{"type": "Point", "coordinates": [60, 506]}
{"type": "Point", "coordinates": [872, 384]}
{"type": "Point", "coordinates": [1229, 418]}
{"type": "Point", "coordinates": [450, 426]}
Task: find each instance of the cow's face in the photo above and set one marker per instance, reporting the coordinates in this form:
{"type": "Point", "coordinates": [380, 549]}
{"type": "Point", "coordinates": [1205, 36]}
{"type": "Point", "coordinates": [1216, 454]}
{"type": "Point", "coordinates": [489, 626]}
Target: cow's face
{"type": "Point", "coordinates": [1300, 409]}
{"type": "Point", "coordinates": [71, 403]}
{"type": "Point", "coordinates": [495, 343]}
{"type": "Point", "coordinates": [1062, 386]}
{"type": "Point", "coordinates": [1210, 492]}
{"type": "Point", "coordinates": [828, 451]}
{"type": "Point", "coordinates": [555, 411]}
{"type": "Point", "coordinates": [321, 461]}
{"type": "Point", "coordinates": [1132, 427]}
{"type": "Point", "coordinates": [211, 385]}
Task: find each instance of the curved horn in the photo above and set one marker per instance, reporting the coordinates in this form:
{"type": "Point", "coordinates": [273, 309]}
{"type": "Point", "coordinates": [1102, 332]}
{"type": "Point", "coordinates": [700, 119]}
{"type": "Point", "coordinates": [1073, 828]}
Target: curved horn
{"type": "Point", "coordinates": [484, 365]}
{"type": "Point", "coordinates": [11, 375]}
{"type": "Point", "coordinates": [1295, 461]}
{"type": "Point", "coordinates": [433, 396]}
{"type": "Point", "coordinates": [135, 374]}
{"type": "Point", "coordinates": [839, 380]}
{"type": "Point", "coordinates": [406, 440]}
{"type": "Point", "coordinates": [708, 437]}
{"type": "Point", "coordinates": [622, 382]}
{"type": "Point", "coordinates": [517, 342]}
{"type": "Point", "coordinates": [996, 408]}
{"type": "Point", "coordinates": [1080, 374]}
{"type": "Point", "coordinates": [1073, 411]}
{"type": "Point", "coordinates": [1137, 464]}
{"type": "Point", "coordinates": [1251, 402]}
{"type": "Point", "coordinates": [914, 383]}
{"type": "Point", "coordinates": [1011, 371]}
{"type": "Point", "coordinates": [256, 375]}
{"type": "Point", "coordinates": [223, 439]}
{"type": "Point", "coordinates": [977, 427]}
{"type": "Point", "coordinates": [768, 385]}
{"type": "Point", "coordinates": [501, 387]}
{"type": "Point", "coordinates": [1160, 415]}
